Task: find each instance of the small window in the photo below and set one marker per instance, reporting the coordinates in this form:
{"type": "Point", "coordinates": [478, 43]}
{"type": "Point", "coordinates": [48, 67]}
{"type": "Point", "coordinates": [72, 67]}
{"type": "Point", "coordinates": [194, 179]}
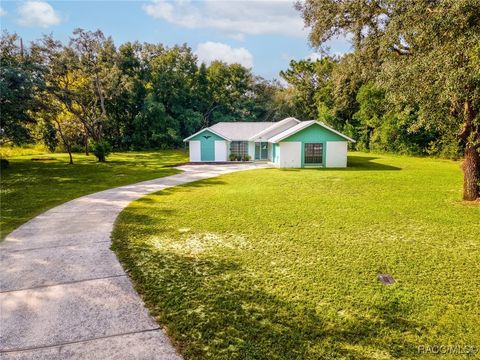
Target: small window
{"type": "Point", "coordinates": [314, 153]}
{"type": "Point", "coordinates": [239, 148]}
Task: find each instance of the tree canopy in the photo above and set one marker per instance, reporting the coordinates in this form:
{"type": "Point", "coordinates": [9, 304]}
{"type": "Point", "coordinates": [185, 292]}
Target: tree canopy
{"type": "Point", "coordinates": [423, 54]}
{"type": "Point", "coordinates": [410, 85]}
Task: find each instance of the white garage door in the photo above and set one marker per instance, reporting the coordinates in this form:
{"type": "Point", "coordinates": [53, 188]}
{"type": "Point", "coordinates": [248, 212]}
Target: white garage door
{"type": "Point", "coordinates": [194, 146]}
{"type": "Point", "coordinates": [220, 150]}
{"type": "Point", "coordinates": [291, 154]}
{"type": "Point", "coordinates": [336, 154]}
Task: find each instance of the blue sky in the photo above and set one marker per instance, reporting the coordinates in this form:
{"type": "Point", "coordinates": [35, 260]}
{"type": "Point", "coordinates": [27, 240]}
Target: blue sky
{"type": "Point", "coordinates": [264, 35]}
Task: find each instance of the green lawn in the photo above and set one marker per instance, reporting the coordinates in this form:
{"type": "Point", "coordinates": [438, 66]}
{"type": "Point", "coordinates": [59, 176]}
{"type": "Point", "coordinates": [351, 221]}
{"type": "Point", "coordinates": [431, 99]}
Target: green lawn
{"type": "Point", "coordinates": [283, 264]}
{"type": "Point", "coordinates": [30, 187]}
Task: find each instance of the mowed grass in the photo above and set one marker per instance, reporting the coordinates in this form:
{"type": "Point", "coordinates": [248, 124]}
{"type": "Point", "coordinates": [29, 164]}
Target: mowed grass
{"type": "Point", "coordinates": [30, 187]}
{"type": "Point", "coordinates": [283, 264]}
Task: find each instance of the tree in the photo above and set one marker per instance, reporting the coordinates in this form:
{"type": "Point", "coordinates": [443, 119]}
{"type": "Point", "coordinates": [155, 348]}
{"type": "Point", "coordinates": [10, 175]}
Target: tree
{"type": "Point", "coordinates": [369, 116]}
{"type": "Point", "coordinates": [21, 83]}
{"type": "Point", "coordinates": [228, 85]}
{"type": "Point", "coordinates": [311, 87]}
{"type": "Point", "coordinates": [68, 128]}
{"type": "Point", "coordinates": [423, 53]}
{"type": "Point", "coordinates": [83, 77]}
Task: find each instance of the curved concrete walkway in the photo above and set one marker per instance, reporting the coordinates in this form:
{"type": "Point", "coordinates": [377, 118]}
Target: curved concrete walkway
{"type": "Point", "coordinates": [63, 293]}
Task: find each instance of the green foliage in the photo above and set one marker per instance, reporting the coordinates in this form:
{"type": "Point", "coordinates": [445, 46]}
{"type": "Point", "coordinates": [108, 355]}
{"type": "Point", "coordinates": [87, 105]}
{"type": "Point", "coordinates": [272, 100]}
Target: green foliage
{"type": "Point", "coordinates": [31, 187]}
{"type": "Point", "coordinates": [310, 81]}
{"type": "Point", "coordinates": [101, 149]}
{"type": "Point", "coordinates": [137, 96]}
{"type": "Point", "coordinates": [4, 163]}
{"type": "Point", "coordinates": [232, 157]}
{"type": "Point", "coordinates": [49, 136]}
{"type": "Point", "coordinates": [289, 270]}
{"type": "Point", "coordinates": [424, 55]}
{"type": "Point", "coordinates": [369, 115]}
{"type": "Point", "coordinates": [21, 81]}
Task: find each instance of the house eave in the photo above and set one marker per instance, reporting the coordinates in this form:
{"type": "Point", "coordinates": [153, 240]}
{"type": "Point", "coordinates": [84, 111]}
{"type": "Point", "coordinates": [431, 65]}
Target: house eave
{"type": "Point", "coordinates": [205, 129]}
{"type": "Point", "coordinates": [279, 137]}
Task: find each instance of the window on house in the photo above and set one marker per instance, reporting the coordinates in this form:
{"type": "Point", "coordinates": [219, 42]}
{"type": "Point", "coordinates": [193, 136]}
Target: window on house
{"type": "Point", "coordinates": [239, 148]}
{"type": "Point", "coordinates": [314, 153]}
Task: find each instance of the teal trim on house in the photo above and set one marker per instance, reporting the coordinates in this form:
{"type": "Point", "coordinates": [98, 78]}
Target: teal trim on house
{"type": "Point", "coordinates": [276, 153]}
{"type": "Point", "coordinates": [207, 144]}
{"type": "Point", "coordinates": [314, 133]}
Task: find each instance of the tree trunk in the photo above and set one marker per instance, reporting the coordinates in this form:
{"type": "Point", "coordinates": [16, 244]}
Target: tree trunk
{"type": "Point", "coordinates": [471, 176]}
{"type": "Point", "coordinates": [101, 158]}
{"type": "Point", "coordinates": [471, 161]}
{"type": "Point", "coordinates": [69, 154]}
{"type": "Point", "coordinates": [65, 142]}
{"type": "Point", "coordinates": [87, 151]}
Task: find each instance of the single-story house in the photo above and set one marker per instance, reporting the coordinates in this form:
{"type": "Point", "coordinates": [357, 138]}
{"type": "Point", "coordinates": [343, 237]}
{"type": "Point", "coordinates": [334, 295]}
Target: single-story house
{"type": "Point", "coordinates": [289, 143]}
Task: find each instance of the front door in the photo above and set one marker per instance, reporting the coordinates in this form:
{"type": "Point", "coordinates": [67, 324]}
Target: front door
{"type": "Point", "coordinates": [207, 148]}
{"type": "Point", "coordinates": [261, 151]}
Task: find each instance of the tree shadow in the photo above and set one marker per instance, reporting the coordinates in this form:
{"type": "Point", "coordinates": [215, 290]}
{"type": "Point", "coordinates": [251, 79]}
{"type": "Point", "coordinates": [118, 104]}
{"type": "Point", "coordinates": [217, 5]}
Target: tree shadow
{"type": "Point", "coordinates": [354, 163]}
{"type": "Point", "coordinates": [152, 224]}
{"type": "Point", "coordinates": [213, 308]}
{"type": "Point", "coordinates": [191, 186]}
{"type": "Point", "coordinates": [366, 163]}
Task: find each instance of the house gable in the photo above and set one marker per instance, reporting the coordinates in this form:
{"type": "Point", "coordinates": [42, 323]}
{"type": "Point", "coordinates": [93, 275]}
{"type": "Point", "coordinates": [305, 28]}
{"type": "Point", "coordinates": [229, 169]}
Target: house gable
{"type": "Point", "coordinates": [206, 134]}
{"type": "Point", "coordinates": [314, 133]}
{"type": "Point", "coordinates": [207, 139]}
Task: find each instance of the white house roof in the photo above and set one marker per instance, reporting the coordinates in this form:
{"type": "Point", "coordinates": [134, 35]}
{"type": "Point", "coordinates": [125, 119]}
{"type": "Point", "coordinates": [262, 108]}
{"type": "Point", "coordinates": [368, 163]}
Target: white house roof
{"type": "Point", "coordinates": [238, 131]}
{"type": "Point", "coordinates": [244, 131]}
{"type": "Point", "coordinates": [303, 125]}
{"type": "Point", "coordinates": [274, 126]}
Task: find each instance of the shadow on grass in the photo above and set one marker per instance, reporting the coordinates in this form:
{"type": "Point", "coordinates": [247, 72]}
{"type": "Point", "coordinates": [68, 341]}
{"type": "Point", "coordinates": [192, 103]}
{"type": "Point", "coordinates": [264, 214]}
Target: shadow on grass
{"type": "Point", "coordinates": [365, 163]}
{"type": "Point", "coordinates": [149, 224]}
{"type": "Point", "coordinates": [355, 163]}
{"type": "Point", "coordinates": [214, 309]}
{"type": "Point", "coordinates": [189, 187]}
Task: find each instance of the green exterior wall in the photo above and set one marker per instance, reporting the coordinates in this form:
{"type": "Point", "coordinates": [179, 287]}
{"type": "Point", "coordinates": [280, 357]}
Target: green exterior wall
{"type": "Point", "coordinates": [314, 134]}
{"type": "Point", "coordinates": [207, 145]}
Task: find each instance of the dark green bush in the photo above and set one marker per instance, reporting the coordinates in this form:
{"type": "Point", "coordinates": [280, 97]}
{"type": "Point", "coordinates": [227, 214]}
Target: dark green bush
{"type": "Point", "coordinates": [101, 149]}
{"type": "Point", "coordinates": [4, 163]}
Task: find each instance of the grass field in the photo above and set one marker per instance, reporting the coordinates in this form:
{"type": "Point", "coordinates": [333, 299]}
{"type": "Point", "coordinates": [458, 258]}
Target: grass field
{"type": "Point", "coordinates": [30, 187]}
{"type": "Point", "coordinates": [283, 264]}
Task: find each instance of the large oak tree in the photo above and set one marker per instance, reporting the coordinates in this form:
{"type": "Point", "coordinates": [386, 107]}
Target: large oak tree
{"type": "Point", "coordinates": [425, 53]}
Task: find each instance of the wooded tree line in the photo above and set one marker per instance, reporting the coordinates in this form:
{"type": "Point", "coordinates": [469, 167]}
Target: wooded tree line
{"type": "Point", "coordinates": [137, 96]}
{"type": "Point", "coordinates": [411, 85]}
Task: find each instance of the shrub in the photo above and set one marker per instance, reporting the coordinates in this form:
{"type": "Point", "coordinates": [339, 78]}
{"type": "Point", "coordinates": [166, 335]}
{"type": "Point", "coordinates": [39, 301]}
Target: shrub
{"type": "Point", "coordinates": [4, 163]}
{"type": "Point", "coordinates": [232, 157]}
{"type": "Point", "coordinates": [247, 158]}
{"type": "Point", "coordinates": [101, 149]}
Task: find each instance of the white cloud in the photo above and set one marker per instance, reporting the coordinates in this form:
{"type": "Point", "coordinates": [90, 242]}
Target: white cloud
{"type": "Point", "coordinates": [210, 51]}
{"type": "Point", "coordinates": [2, 12]}
{"type": "Point", "coordinates": [37, 13]}
{"type": "Point", "coordinates": [235, 18]}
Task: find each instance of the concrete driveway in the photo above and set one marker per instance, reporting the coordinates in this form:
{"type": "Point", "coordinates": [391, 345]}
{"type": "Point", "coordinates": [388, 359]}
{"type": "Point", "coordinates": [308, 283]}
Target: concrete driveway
{"type": "Point", "coordinates": [63, 293]}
